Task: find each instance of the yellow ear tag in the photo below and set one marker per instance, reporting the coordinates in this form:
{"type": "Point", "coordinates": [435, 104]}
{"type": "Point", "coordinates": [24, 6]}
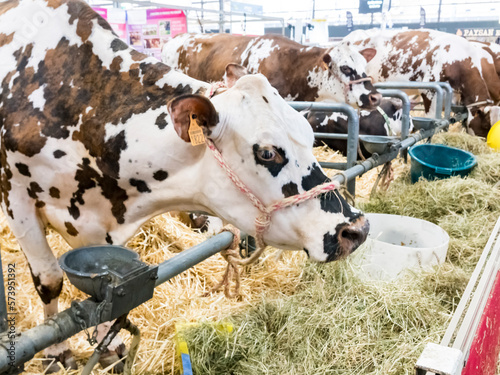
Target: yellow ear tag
{"type": "Point", "coordinates": [195, 133]}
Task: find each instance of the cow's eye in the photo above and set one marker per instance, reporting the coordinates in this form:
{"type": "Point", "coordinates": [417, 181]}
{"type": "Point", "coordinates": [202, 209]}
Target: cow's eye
{"type": "Point", "coordinates": [346, 70]}
{"type": "Point", "coordinates": [265, 154]}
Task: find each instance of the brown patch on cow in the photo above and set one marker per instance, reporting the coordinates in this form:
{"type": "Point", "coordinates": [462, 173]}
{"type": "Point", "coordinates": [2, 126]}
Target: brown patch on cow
{"type": "Point", "coordinates": [34, 189]}
{"type": "Point", "coordinates": [59, 154]}
{"type": "Point", "coordinates": [6, 39]}
{"type": "Point", "coordinates": [39, 204]}
{"type": "Point", "coordinates": [447, 48]}
{"type": "Point", "coordinates": [286, 69]}
{"type": "Point", "coordinates": [161, 121]}
{"type": "Point", "coordinates": [7, 5]}
{"type": "Point", "coordinates": [5, 177]}
{"type": "Point", "coordinates": [116, 64]}
{"type": "Point", "coordinates": [140, 185]}
{"type": "Point", "coordinates": [54, 192]}
{"type": "Point", "coordinates": [70, 229]}
{"type": "Point", "coordinates": [467, 80]}
{"type": "Point", "coordinates": [23, 169]}
{"type": "Point", "coordinates": [46, 292]}
{"type": "Point", "coordinates": [75, 79]}
{"type": "Point", "coordinates": [55, 3]}
{"type": "Point", "coordinates": [160, 175]}
{"type": "Point", "coordinates": [85, 15]}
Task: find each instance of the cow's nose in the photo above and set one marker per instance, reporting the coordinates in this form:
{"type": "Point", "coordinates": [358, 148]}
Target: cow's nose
{"type": "Point", "coordinates": [375, 99]}
{"type": "Point", "coordinates": [352, 235]}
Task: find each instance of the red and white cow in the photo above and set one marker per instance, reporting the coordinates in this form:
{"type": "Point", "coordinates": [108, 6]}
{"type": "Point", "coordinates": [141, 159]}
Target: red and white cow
{"type": "Point", "coordinates": [429, 55]}
{"type": "Point", "coordinates": [297, 72]}
{"type": "Point", "coordinates": [94, 143]}
{"type": "Point", "coordinates": [494, 50]}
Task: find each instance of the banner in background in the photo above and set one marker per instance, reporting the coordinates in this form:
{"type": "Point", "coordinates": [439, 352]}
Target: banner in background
{"type": "Point", "coordinates": [151, 29]}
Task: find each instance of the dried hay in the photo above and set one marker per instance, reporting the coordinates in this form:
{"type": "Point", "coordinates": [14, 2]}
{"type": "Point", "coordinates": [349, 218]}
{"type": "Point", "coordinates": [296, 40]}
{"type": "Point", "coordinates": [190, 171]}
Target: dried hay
{"type": "Point", "coordinates": [293, 316]}
{"type": "Point", "coordinates": [336, 323]}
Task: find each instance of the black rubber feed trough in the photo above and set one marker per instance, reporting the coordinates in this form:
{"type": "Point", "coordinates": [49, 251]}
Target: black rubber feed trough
{"type": "Point", "coordinates": [91, 269]}
{"type": "Point", "coordinates": [423, 123]}
{"type": "Point", "coordinates": [377, 143]}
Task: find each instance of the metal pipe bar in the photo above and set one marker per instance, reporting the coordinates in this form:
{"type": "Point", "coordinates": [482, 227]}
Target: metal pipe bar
{"type": "Point", "coordinates": [352, 129]}
{"type": "Point", "coordinates": [3, 304]}
{"type": "Point", "coordinates": [331, 136]}
{"type": "Point", "coordinates": [328, 165]}
{"type": "Point", "coordinates": [63, 325]}
{"type": "Point", "coordinates": [417, 86]}
{"type": "Point", "coordinates": [405, 119]}
{"type": "Point", "coordinates": [191, 257]}
{"type": "Point", "coordinates": [448, 90]}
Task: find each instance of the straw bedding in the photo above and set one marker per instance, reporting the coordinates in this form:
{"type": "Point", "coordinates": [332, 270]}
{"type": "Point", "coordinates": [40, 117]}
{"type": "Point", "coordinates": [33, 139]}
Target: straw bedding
{"type": "Point", "coordinates": [293, 316]}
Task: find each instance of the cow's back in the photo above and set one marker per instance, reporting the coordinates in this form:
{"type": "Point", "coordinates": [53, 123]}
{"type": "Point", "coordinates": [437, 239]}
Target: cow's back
{"type": "Point", "coordinates": [429, 55]}
{"type": "Point", "coordinates": [284, 62]}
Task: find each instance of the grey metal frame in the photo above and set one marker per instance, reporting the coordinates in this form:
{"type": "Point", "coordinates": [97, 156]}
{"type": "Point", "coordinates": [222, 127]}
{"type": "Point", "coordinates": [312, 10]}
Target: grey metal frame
{"type": "Point", "coordinates": [435, 86]}
{"type": "Point", "coordinates": [352, 135]}
{"type": "Point", "coordinates": [63, 325]}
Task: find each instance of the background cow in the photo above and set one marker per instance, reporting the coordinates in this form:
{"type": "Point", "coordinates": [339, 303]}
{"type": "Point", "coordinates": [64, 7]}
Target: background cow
{"type": "Point", "coordinates": [370, 123]}
{"type": "Point", "coordinates": [494, 50]}
{"type": "Point", "coordinates": [429, 55]}
{"type": "Point", "coordinates": [94, 142]}
{"type": "Point", "coordinates": [297, 72]}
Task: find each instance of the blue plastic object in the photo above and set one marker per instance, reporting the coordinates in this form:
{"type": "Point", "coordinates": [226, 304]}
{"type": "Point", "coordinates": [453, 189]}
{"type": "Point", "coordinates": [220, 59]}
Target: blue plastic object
{"type": "Point", "coordinates": [433, 161]}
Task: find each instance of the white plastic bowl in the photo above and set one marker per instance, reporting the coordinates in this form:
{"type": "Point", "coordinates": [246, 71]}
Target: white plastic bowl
{"type": "Point", "coordinates": [398, 243]}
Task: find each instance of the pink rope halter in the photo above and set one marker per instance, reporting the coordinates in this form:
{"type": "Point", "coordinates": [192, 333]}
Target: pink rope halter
{"type": "Point", "coordinates": [348, 86]}
{"type": "Point", "coordinates": [263, 221]}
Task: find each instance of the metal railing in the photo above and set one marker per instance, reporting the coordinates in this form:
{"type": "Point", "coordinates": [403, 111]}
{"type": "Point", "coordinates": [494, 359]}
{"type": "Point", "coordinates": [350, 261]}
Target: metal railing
{"type": "Point", "coordinates": [352, 135]}
{"type": "Point", "coordinates": [64, 325]}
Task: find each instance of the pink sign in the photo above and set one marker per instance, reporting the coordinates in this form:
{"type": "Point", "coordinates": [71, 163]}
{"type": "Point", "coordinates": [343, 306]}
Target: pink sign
{"type": "Point", "coordinates": [162, 25]}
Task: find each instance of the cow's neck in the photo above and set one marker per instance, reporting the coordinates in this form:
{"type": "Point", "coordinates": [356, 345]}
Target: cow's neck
{"type": "Point", "coordinates": [327, 89]}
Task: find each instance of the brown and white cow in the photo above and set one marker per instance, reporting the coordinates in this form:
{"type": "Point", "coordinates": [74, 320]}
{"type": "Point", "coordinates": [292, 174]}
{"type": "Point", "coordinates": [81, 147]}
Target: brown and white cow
{"type": "Point", "coordinates": [429, 55]}
{"type": "Point", "coordinates": [494, 50]}
{"type": "Point", "coordinates": [297, 72]}
{"type": "Point", "coordinates": [94, 143]}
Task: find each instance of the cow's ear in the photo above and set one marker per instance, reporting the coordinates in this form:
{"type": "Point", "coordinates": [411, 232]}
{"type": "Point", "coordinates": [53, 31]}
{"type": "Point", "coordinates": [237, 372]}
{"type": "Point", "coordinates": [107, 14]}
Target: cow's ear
{"type": "Point", "coordinates": [185, 108]}
{"type": "Point", "coordinates": [368, 53]}
{"type": "Point", "coordinates": [233, 73]}
{"type": "Point", "coordinates": [327, 59]}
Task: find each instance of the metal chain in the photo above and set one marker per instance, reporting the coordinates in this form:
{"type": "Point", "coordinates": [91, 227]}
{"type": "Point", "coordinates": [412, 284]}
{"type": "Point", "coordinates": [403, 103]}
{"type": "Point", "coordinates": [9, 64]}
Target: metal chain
{"type": "Point", "coordinates": [92, 339]}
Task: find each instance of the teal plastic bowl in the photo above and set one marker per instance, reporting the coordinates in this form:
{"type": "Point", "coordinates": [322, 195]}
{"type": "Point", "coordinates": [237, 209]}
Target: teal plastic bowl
{"type": "Point", "coordinates": [439, 161]}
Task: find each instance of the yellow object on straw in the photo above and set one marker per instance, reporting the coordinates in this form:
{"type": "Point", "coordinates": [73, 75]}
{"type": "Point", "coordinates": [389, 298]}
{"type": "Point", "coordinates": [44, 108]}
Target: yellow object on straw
{"type": "Point", "coordinates": [493, 138]}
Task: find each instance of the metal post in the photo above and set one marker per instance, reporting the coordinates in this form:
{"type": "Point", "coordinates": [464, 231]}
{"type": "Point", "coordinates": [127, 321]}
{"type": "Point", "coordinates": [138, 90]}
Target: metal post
{"type": "Point", "coordinates": [352, 129]}
{"type": "Point", "coordinates": [3, 305]}
{"type": "Point", "coordinates": [405, 119]}
{"type": "Point", "coordinates": [448, 98]}
{"type": "Point", "coordinates": [221, 16]}
{"type": "Point", "coordinates": [434, 86]}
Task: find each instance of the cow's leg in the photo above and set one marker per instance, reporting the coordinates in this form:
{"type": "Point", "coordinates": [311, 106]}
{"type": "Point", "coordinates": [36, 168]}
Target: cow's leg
{"type": "Point", "coordinates": [116, 349]}
{"type": "Point", "coordinates": [47, 277]}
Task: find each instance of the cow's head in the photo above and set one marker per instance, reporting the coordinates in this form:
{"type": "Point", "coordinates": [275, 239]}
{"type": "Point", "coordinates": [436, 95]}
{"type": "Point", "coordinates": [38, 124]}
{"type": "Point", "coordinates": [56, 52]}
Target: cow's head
{"type": "Point", "coordinates": [481, 119]}
{"type": "Point", "coordinates": [269, 147]}
{"type": "Point", "coordinates": [346, 64]}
